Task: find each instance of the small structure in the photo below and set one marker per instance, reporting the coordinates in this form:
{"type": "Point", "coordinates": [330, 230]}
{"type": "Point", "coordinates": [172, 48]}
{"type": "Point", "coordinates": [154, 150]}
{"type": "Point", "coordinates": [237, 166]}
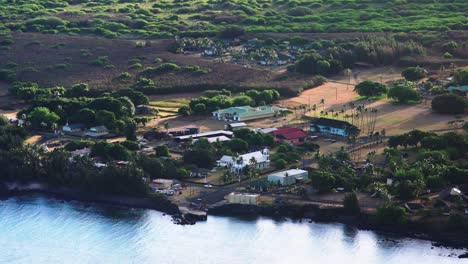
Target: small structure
{"type": "Point", "coordinates": [234, 126]}
{"type": "Point", "coordinates": [288, 177]}
{"type": "Point", "coordinates": [159, 184]}
{"type": "Point", "coordinates": [211, 134]}
{"type": "Point", "coordinates": [257, 160]}
{"type": "Point", "coordinates": [215, 139]}
{"type": "Point", "coordinates": [183, 131]}
{"type": "Point", "coordinates": [81, 152]}
{"type": "Point", "coordinates": [333, 126]}
{"type": "Point", "coordinates": [289, 135]}
{"type": "Point", "coordinates": [98, 131]}
{"type": "Point", "coordinates": [462, 90]}
{"type": "Point", "coordinates": [70, 128]}
{"type": "Point", "coordinates": [244, 113]}
{"type": "Point", "coordinates": [266, 130]}
{"type": "Point", "coordinates": [243, 198]}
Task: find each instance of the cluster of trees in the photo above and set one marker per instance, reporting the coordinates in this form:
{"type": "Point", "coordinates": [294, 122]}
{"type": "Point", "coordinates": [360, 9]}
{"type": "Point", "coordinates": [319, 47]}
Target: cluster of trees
{"type": "Point", "coordinates": [286, 154]}
{"type": "Point", "coordinates": [449, 104]}
{"type": "Point", "coordinates": [403, 93]}
{"type": "Point", "coordinates": [204, 105]}
{"type": "Point", "coordinates": [435, 167]}
{"type": "Point", "coordinates": [30, 163]}
{"type": "Point", "coordinates": [328, 57]}
{"type": "Point", "coordinates": [192, 18]}
{"type": "Point", "coordinates": [370, 88]}
{"type": "Point", "coordinates": [53, 106]}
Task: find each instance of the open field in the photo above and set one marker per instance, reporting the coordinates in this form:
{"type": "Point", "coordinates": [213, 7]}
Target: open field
{"type": "Point", "coordinates": [394, 118]}
{"type": "Point", "coordinates": [51, 60]}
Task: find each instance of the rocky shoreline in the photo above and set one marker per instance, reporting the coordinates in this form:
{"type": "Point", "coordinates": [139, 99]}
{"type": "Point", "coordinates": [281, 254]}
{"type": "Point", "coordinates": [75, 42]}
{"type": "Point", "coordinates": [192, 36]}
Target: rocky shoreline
{"type": "Point", "coordinates": [338, 215]}
{"type": "Point", "coordinates": [307, 212]}
{"type": "Point", "coordinates": [11, 189]}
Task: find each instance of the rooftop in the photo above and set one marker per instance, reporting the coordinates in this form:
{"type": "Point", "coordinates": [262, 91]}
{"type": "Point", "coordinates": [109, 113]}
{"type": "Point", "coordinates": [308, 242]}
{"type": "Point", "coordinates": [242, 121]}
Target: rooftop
{"type": "Point", "coordinates": [290, 172]}
{"type": "Point", "coordinates": [207, 134]}
{"type": "Point", "coordinates": [463, 88]}
{"type": "Point", "coordinates": [333, 123]}
{"type": "Point", "coordinates": [289, 133]}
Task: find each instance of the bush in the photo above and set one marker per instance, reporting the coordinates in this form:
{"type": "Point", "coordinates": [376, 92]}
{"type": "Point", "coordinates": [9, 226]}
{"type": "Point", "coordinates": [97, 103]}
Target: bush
{"type": "Point", "coordinates": [391, 215]}
{"type": "Point", "coordinates": [161, 69]}
{"type": "Point", "coordinates": [370, 88]}
{"type": "Point", "coordinates": [414, 73]}
{"type": "Point", "coordinates": [231, 32]}
{"type": "Point", "coordinates": [403, 94]}
{"type": "Point", "coordinates": [7, 75]}
{"type": "Point", "coordinates": [351, 203]}
{"type": "Point", "coordinates": [449, 104]}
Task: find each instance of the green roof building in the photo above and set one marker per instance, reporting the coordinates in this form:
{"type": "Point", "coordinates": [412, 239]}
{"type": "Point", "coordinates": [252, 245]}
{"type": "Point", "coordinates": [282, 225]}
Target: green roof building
{"type": "Point", "coordinates": [244, 113]}
{"type": "Point", "coordinates": [459, 89]}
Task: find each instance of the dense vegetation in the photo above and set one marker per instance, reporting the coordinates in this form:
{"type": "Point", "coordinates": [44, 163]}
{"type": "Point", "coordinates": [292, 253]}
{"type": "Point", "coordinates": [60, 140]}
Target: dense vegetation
{"type": "Point", "coordinates": [206, 18]}
{"type": "Point", "coordinates": [214, 100]}
{"type": "Point", "coordinates": [438, 164]}
{"type": "Point", "coordinates": [50, 107]}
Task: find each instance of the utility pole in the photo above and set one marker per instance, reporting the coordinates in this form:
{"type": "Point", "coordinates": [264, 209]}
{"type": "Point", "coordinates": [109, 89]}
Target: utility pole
{"type": "Point", "coordinates": [336, 91]}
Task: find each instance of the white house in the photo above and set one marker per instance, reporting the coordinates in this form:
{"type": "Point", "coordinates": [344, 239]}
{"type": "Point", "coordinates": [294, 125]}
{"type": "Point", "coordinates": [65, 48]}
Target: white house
{"type": "Point", "coordinates": [98, 131]}
{"type": "Point", "coordinates": [288, 177]}
{"type": "Point", "coordinates": [81, 152]}
{"type": "Point", "coordinates": [257, 159]}
{"type": "Point", "coordinates": [67, 128]}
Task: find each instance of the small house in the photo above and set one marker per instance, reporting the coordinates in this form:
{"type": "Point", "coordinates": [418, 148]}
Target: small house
{"type": "Point", "coordinates": [289, 135]}
{"type": "Point", "coordinates": [207, 135]}
{"type": "Point", "coordinates": [160, 184]}
{"type": "Point", "coordinates": [234, 126]}
{"type": "Point", "coordinates": [288, 177]}
{"type": "Point", "coordinates": [81, 152]}
{"type": "Point", "coordinates": [243, 198]}
{"type": "Point", "coordinates": [97, 131]}
{"type": "Point", "coordinates": [70, 128]}
{"type": "Point", "coordinates": [244, 113]}
{"type": "Point", "coordinates": [257, 160]}
{"type": "Point", "coordinates": [333, 126]}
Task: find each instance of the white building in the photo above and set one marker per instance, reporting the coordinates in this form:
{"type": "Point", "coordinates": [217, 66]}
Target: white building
{"type": "Point", "coordinates": [69, 128]}
{"type": "Point", "coordinates": [98, 131]}
{"type": "Point", "coordinates": [288, 177]}
{"type": "Point", "coordinates": [243, 198]}
{"type": "Point", "coordinates": [257, 159]}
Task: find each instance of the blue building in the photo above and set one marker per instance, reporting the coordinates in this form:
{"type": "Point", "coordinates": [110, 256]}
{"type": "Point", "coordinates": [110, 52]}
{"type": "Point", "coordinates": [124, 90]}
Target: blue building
{"type": "Point", "coordinates": [333, 127]}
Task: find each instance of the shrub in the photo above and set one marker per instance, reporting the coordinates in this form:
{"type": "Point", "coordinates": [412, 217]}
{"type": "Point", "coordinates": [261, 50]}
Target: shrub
{"type": "Point", "coordinates": [391, 215]}
{"type": "Point", "coordinates": [414, 73]}
{"type": "Point", "coordinates": [449, 104]}
{"type": "Point", "coordinates": [100, 61]}
{"type": "Point", "coordinates": [370, 88]}
{"type": "Point", "coordinates": [351, 203]}
{"type": "Point", "coordinates": [7, 75]}
{"type": "Point", "coordinates": [403, 94]}
{"type": "Point", "coordinates": [231, 32]}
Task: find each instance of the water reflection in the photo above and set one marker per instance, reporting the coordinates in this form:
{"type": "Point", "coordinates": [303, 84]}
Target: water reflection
{"type": "Point", "coordinates": [38, 229]}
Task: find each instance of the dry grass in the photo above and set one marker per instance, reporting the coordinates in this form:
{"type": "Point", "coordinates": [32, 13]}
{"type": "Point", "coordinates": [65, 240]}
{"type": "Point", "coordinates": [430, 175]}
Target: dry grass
{"type": "Point", "coordinates": [36, 55]}
{"type": "Point", "coordinates": [394, 118]}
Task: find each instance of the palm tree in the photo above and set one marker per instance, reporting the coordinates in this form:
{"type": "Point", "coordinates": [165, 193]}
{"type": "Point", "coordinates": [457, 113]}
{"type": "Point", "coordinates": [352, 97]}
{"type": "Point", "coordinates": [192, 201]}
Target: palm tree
{"type": "Point", "coordinates": [348, 72]}
{"type": "Point", "coordinates": [314, 108]}
{"type": "Point", "coordinates": [322, 102]}
{"type": "Point", "coordinates": [166, 126]}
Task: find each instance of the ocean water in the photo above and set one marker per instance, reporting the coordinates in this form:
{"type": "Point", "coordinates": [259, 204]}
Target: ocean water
{"type": "Point", "coordinates": [41, 229]}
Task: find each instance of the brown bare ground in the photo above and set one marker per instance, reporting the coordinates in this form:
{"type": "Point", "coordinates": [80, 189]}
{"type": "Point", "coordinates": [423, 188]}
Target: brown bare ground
{"type": "Point", "coordinates": [36, 63]}
{"type": "Point", "coordinates": [394, 118]}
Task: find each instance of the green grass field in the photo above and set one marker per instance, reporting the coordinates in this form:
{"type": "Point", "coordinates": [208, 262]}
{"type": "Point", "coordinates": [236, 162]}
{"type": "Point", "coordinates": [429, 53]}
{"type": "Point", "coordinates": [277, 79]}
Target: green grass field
{"type": "Point", "coordinates": [162, 19]}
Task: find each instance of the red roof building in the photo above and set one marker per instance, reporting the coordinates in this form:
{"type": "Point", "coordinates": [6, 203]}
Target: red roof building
{"type": "Point", "coordinates": [289, 135]}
